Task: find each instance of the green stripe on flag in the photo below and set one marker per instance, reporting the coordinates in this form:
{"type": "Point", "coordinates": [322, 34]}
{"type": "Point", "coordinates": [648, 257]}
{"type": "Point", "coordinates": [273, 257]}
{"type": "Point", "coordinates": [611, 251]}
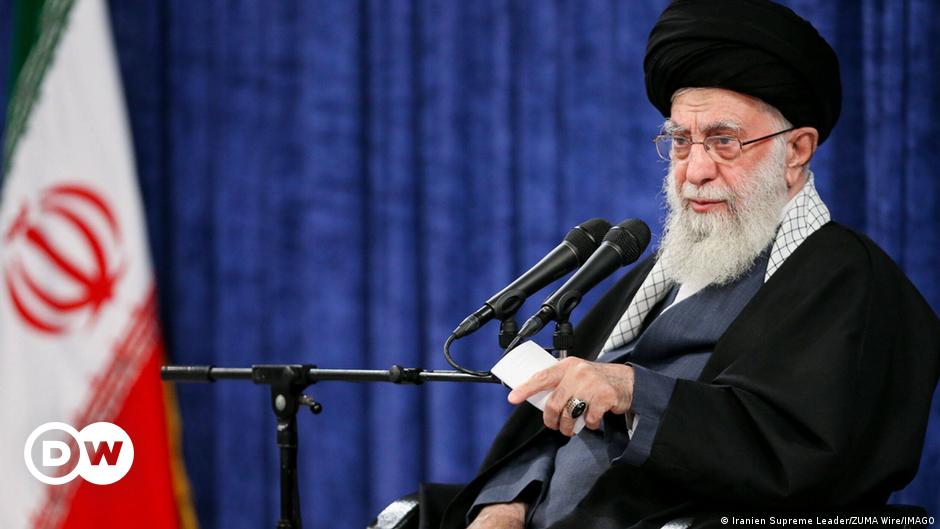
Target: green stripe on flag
{"type": "Point", "coordinates": [34, 46]}
{"type": "Point", "coordinates": [25, 32]}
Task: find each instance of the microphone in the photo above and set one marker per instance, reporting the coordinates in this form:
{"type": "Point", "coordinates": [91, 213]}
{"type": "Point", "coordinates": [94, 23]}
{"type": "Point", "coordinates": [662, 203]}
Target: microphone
{"type": "Point", "coordinates": [622, 245]}
{"type": "Point", "coordinates": [573, 251]}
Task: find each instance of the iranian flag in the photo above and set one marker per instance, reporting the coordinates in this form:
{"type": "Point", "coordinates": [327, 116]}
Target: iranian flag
{"type": "Point", "coordinates": [79, 339]}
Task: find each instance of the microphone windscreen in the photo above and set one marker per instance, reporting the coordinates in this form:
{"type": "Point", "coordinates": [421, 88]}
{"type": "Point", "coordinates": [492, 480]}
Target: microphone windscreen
{"type": "Point", "coordinates": [596, 228]}
{"type": "Point", "coordinates": [630, 237]}
{"type": "Point", "coordinates": [586, 237]}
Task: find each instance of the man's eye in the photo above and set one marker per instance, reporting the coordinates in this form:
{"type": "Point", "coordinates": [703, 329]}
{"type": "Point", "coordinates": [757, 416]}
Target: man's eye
{"type": "Point", "coordinates": [680, 141]}
{"type": "Point", "coordinates": [722, 140]}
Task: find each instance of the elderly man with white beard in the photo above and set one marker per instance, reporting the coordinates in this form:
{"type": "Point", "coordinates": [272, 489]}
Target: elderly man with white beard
{"type": "Point", "coordinates": [765, 358]}
{"type": "Point", "coordinates": [724, 210]}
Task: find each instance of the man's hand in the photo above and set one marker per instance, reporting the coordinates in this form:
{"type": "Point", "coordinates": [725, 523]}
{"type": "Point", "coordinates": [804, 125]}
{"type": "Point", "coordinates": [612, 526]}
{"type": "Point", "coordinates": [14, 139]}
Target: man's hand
{"type": "Point", "coordinates": [605, 387]}
{"type": "Point", "coordinates": [500, 516]}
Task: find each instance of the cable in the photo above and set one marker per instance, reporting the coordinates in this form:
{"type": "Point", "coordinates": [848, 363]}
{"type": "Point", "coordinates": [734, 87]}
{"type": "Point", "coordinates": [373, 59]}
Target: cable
{"type": "Point", "coordinates": [458, 367]}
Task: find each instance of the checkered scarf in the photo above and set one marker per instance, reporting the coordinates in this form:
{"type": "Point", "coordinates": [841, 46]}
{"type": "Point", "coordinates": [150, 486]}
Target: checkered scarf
{"type": "Point", "coordinates": [805, 214]}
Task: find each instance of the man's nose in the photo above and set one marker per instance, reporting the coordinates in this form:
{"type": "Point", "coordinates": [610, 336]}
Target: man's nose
{"type": "Point", "coordinates": [700, 168]}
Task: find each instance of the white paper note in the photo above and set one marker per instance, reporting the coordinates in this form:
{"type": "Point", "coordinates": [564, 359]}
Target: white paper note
{"type": "Point", "coordinates": [523, 362]}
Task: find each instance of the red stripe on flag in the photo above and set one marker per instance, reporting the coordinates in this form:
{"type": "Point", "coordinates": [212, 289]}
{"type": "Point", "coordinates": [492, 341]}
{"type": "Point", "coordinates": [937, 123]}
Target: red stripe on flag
{"type": "Point", "coordinates": [129, 394]}
{"type": "Point", "coordinates": [144, 498]}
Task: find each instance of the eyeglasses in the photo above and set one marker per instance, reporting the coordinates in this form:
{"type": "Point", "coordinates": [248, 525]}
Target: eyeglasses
{"type": "Point", "coordinates": [721, 149]}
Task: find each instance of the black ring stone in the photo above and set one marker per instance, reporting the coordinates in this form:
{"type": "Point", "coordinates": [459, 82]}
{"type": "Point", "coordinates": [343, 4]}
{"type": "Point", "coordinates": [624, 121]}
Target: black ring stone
{"type": "Point", "coordinates": [578, 409]}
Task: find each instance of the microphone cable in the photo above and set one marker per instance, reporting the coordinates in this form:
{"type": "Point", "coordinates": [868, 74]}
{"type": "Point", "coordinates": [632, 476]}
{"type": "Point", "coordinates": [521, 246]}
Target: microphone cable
{"type": "Point", "coordinates": [453, 363]}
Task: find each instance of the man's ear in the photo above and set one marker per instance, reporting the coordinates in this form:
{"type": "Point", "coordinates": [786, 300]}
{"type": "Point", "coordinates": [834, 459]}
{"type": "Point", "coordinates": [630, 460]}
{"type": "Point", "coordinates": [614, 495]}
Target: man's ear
{"type": "Point", "coordinates": [800, 149]}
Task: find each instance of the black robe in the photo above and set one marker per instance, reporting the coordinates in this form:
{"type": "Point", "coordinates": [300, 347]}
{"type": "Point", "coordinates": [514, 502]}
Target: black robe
{"type": "Point", "coordinates": [816, 398]}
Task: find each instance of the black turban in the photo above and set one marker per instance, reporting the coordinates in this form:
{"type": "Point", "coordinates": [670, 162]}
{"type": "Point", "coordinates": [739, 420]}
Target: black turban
{"type": "Point", "coordinates": [754, 47]}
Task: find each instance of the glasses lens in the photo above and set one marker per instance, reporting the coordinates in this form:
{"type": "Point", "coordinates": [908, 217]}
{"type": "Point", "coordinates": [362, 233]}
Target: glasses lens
{"type": "Point", "coordinates": [662, 146]}
{"type": "Point", "coordinates": [726, 148]}
{"type": "Point", "coordinates": [673, 147]}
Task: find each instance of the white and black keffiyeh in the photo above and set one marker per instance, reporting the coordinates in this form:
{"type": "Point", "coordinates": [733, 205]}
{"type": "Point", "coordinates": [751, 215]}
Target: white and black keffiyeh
{"type": "Point", "coordinates": [803, 215]}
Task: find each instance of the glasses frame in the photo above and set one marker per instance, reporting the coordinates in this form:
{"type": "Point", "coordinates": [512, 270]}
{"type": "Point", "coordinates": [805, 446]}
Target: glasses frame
{"type": "Point", "coordinates": [741, 144]}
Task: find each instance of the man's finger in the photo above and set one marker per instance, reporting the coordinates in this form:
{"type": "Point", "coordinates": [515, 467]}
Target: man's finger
{"type": "Point", "coordinates": [594, 416]}
{"type": "Point", "coordinates": [545, 379]}
{"type": "Point", "coordinates": [566, 424]}
{"type": "Point", "coordinates": [554, 410]}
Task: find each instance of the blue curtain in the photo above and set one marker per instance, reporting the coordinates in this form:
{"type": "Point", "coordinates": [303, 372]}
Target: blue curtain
{"type": "Point", "coordinates": [340, 182]}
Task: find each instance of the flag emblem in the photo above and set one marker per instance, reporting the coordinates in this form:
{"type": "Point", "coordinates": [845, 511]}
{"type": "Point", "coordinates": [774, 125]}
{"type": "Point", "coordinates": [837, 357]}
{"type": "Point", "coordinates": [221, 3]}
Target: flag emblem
{"type": "Point", "coordinates": [72, 235]}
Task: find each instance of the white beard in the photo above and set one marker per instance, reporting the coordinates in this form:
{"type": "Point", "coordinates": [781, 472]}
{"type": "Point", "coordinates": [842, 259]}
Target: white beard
{"type": "Point", "coordinates": [717, 247]}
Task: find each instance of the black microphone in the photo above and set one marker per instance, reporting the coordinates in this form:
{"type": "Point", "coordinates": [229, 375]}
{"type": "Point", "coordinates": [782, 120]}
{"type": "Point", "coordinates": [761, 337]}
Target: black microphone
{"type": "Point", "coordinates": [622, 245]}
{"type": "Point", "coordinates": [578, 245]}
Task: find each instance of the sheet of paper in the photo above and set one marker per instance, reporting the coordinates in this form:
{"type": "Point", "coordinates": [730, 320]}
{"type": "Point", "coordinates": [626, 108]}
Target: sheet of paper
{"type": "Point", "coordinates": [523, 362]}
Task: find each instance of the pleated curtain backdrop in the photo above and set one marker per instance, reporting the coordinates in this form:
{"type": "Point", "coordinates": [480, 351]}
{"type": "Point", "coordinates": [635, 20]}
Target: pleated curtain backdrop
{"type": "Point", "coordinates": [341, 182]}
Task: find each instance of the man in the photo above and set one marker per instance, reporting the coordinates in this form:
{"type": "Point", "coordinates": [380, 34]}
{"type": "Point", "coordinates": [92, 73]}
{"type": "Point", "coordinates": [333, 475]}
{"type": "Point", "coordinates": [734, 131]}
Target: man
{"type": "Point", "coordinates": [766, 358]}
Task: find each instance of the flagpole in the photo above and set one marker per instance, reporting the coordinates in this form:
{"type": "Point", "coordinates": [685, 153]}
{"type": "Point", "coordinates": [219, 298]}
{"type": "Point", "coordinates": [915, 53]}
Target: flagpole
{"type": "Point", "coordinates": [288, 382]}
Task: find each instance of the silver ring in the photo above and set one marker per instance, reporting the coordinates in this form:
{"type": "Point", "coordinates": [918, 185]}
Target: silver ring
{"type": "Point", "coordinates": [576, 407]}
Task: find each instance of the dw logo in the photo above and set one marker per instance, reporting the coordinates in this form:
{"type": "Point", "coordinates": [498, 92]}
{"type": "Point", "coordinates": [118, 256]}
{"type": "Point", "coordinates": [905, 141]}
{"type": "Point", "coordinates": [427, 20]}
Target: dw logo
{"type": "Point", "coordinates": [102, 453]}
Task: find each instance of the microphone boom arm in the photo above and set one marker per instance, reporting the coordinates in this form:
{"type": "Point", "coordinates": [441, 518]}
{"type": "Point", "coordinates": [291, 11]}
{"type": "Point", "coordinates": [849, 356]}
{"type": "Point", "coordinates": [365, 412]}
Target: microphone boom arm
{"type": "Point", "coordinates": [287, 382]}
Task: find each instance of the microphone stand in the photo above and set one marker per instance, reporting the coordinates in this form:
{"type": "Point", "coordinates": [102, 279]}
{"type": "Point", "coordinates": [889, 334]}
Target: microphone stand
{"type": "Point", "coordinates": [287, 382]}
{"type": "Point", "coordinates": [508, 328]}
{"type": "Point", "coordinates": [563, 338]}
